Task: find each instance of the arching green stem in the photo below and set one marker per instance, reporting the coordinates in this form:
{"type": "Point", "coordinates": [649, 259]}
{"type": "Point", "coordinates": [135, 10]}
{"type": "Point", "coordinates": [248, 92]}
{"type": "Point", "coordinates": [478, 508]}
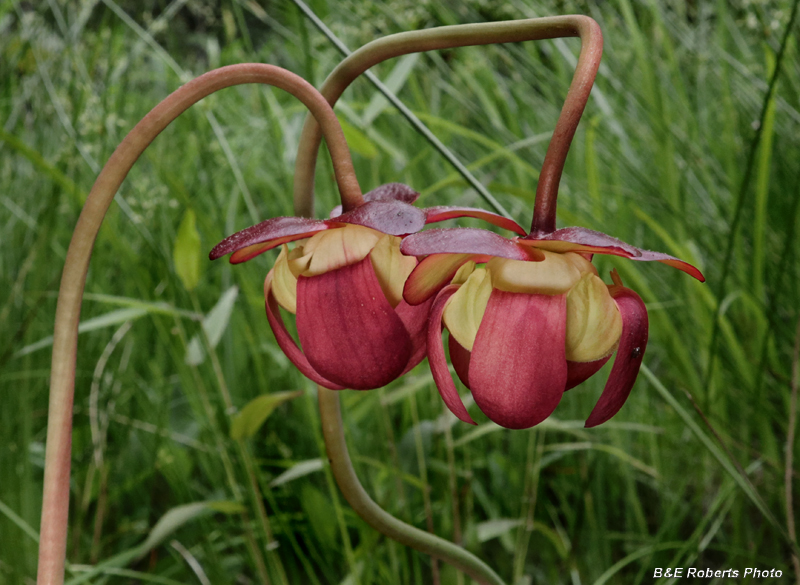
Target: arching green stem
{"type": "Point", "coordinates": [544, 217]}
{"type": "Point", "coordinates": [55, 506]}
{"type": "Point", "coordinates": [374, 515]}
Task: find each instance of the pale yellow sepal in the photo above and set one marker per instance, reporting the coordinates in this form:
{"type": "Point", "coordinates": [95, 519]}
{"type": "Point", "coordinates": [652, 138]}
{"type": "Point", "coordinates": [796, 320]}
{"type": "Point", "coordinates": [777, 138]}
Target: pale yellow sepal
{"type": "Point", "coordinates": [391, 267]}
{"type": "Point", "coordinates": [464, 311]}
{"type": "Point", "coordinates": [338, 247]}
{"type": "Point", "coordinates": [284, 283]}
{"type": "Point", "coordinates": [594, 324]}
{"type": "Point", "coordinates": [463, 273]}
{"type": "Point", "coordinates": [555, 275]}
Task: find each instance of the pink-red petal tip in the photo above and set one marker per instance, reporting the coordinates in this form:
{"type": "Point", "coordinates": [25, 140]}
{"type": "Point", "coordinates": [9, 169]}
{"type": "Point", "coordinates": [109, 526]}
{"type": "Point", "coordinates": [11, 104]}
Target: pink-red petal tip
{"type": "Point", "coordinates": [271, 232]}
{"type": "Point", "coordinates": [629, 356]}
{"type": "Point", "coordinates": [442, 213]}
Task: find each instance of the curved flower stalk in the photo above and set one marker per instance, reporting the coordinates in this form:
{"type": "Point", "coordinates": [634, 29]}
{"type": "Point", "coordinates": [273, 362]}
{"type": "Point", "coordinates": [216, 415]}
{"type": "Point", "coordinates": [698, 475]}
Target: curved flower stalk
{"type": "Point", "coordinates": [465, 35]}
{"type": "Point", "coordinates": [55, 504]}
{"type": "Point", "coordinates": [535, 321]}
{"type": "Point", "coordinates": [344, 281]}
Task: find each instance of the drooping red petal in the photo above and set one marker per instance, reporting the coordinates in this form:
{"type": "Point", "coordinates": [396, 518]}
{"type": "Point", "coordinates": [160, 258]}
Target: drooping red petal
{"type": "Point", "coordinates": [390, 217]}
{"type": "Point", "coordinates": [437, 361]}
{"type": "Point", "coordinates": [388, 192]}
{"type": "Point", "coordinates": [270, 233]}
{"type": "Point", "coordinates": [629, 356]}
{"type": "Point", "coordinates": [459, 357]}
{"type": "Point", "coordinates": [578, 239]}
{"type": "Point", "coordinates": [467, 241]}
{"type": "Point", "coordinates": [441, 213]}
{"type": "Point", "coordinates": [518, 367]}
{"type": "Point", "coordinates": [415, 319]}
{"type": "Point", "coordinates": [579, 372]}
{"type": "Point", "coordinates": [349, 331]}
{"type": "Point", "coordinates": [285, 341]}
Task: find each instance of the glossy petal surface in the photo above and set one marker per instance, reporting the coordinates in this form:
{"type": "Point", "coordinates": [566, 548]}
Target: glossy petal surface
{"type": "Point", "coordinates": [284, 283]}
{"type": "Point", "coordinates": [285, 341]}
{"type": "Point", "coordinates": [348, 330]}
{"type": "Point", "coordinates": [577, 239]}
{"type": "Point", "coordinates": [518, 367]}
{"type": "Point", "coordinates": [442, 213]}
{"type": "Point", "coordinates": [338, 247]}
{"type": "Point", "coordinates": [392, 192]}
{"type": "Point", "coordinates": [388, 192]}
{"type": "Point", "coordinates": [390, 217]}
{"type": "Point", "coordinates": [437, 360]}
{"type": "Point", "coordinates": [270, 234]}
{"type": "Point", "coordinates": [433, 273]}
{"type": "Point", "coordinates": [594, 324]}
{"type": "Point", "coordinates": [555, 275]}
{"type": "Point", "coordinates": [464, 311]}
{"type": "Point", "coordinates": [629, 356]}
{"type": "Point", "coordinates": [391, 267]}
{"type": "Point", "coordinates": [467, 241]}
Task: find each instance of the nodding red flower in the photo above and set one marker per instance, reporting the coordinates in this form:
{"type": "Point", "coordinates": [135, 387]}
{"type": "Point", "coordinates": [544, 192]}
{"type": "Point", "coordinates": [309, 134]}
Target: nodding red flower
{"type": "Point", "coordinates": [535, 321]}
{"type": "Point", "coordinates": [344, 282]}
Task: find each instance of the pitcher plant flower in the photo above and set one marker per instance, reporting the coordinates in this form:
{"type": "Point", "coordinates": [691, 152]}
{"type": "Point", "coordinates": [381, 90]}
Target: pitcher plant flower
{"type": "Point", "coordinates": [344, 280]}
{"type": "Point", "coordinates": [534, 321]}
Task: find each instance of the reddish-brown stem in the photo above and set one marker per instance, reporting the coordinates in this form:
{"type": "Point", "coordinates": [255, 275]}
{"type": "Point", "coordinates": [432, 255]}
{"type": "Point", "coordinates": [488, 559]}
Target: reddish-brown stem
{"type": "Point", "coordinates": [465, 35]}
{"type": "Point", "coordinates": [544, 209]}
{"type": "Point", "coordinates": [55, 506]}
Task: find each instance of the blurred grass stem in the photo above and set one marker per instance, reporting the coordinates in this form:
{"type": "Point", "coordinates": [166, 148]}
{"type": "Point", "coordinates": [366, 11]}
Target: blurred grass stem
{"type": "Point", "coordinates": [789, 467]}
{"type": "Point", "coordinates": [743, 188]}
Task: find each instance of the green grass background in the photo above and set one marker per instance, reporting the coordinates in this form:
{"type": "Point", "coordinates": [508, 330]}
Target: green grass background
{"type": "Point", "coordinates": [673, 154]}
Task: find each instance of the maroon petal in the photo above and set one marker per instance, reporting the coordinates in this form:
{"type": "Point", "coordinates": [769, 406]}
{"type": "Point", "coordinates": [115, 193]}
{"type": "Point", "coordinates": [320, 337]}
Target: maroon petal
{"type": "Point", "coordinates": [574, 239]}
{"type": "Point", "coordinates": [388, 192]}
{"type": "Point", "coordinates": [467, 241]}
{"type": "Point", "coordinates": [285, 341]}
{"type": "Point", "coordinates": [441, 213]}
{"type": "Point", "coordinates": [392, 192]}
{"type": "Point", "coordinates": [437, 361]}
{"type": "Point", "coordinates": [271, 233]}
{"type": "Point", "coordinates": [390, 217]}
{"type": "Point", "coordinates": [518, 367]}
{"type": "Point", "coordinates": [459, 357]}
{"type": "Point", "coordinates": [629, 356]}
{"type": "Point", "coordinates": [578, 239]}
{"type": "Point", "coordinates": [579, 372]}
{"type": "Point", "coordinates": [349, 331]}
{"type": "Point", "coordinates": [415, 319]}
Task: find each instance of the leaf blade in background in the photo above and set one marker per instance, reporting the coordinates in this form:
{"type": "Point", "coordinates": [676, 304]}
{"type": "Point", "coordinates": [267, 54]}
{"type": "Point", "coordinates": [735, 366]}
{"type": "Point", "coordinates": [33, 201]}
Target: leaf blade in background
{"type": "Point", "coordinates": [186, 253]}
{"type": "Point", "coordinates": [495, 528]}
{"type": "Point", "coordinates": [106, 320]}
{"type": "Point", "coordinates": [172, 520]}
{"type": "Point", "coordinates": [298, 470]}
{"type": "Point", "coordinates": [255, 413]}
{"type": "Point", "coordinates": [214, 326]}
{"type": "Point", "coordinates": [358, 141]}
{"type": "Point", "coordinates": [394, 83]}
